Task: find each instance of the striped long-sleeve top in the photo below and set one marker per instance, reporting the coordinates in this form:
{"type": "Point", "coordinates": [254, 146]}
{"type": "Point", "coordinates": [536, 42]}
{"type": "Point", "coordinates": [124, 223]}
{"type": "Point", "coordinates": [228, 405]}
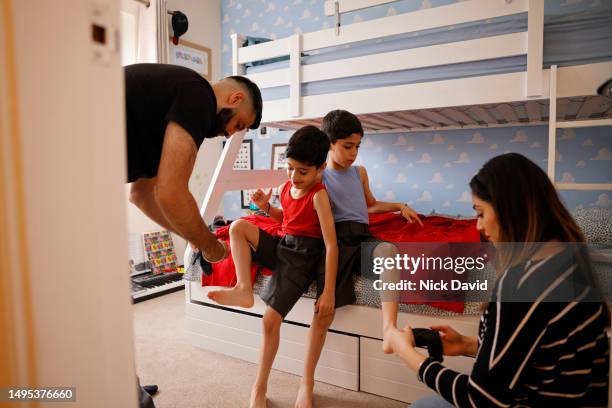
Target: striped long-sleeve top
{"type": "Point", "coordinates": [534, 354]}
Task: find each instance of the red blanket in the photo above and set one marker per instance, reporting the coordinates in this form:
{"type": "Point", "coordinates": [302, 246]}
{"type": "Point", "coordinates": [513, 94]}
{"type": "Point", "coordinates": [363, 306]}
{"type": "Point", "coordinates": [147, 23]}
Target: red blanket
{"type": "Point", "coordinates": [389, 227]}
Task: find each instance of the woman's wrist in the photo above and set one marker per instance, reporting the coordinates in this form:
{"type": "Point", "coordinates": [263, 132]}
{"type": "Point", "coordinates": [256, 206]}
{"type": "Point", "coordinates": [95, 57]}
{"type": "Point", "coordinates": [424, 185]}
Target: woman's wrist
{"type": "Point", "coordinates": [470, 345]}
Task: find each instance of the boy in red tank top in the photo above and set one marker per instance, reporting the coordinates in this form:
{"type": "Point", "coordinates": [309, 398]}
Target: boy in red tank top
{"type": "Point", "coordinates": [310, 238]}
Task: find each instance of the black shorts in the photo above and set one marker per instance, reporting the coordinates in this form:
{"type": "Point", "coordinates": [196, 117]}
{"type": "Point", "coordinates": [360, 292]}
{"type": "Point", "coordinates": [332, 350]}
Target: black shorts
{"type": "Point", "coordinates": [295, 261]}
{"type": "Point", "coordinates": [350, 236]}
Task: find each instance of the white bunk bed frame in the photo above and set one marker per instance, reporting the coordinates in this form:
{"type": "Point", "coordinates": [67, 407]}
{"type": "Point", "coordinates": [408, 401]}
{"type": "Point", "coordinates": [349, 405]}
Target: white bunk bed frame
{"type": "Point", "coordinates": [352, 356]}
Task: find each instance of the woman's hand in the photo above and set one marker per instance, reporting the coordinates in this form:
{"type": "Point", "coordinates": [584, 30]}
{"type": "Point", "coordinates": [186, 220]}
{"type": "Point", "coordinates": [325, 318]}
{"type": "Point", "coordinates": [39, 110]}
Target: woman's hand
{"type": "Point", "coordinates": [453, 343]}
{"type": "Point", "coordinates": [261, 199]}
{"type": "Point", "coordinates": [410, 215]}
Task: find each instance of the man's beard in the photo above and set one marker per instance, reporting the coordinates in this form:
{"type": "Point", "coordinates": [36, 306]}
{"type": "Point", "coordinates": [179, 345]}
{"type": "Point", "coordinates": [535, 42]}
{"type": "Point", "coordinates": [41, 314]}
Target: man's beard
{"type": "Point", "coordinates": [221, 121]}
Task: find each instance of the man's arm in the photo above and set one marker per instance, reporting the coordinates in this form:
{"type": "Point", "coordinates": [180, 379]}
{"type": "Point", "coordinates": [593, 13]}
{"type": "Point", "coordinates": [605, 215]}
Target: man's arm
{"type": "Point", "coordinates": [375, 206]}
{"type": "Point", "coordinates": [172, 191]}
{"type": "Point", "coordinates": [142, 195]}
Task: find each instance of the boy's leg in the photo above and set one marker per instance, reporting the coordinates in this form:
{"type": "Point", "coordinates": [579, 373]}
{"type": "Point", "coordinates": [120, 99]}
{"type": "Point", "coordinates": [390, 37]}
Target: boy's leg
{"type": "Point", "coordinates": [243, 237]}
{"type": "Point", "coordinates": [389, 299]}
{"type": "Point", "coordinates": [316, 340]}
{"type": "Point", "coordinates": [271, 336]}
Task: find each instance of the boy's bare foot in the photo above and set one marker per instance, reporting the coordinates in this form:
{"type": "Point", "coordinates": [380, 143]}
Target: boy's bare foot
{"type": "Point", "coordinates": [237, 296]}
{"type": "Point", "coordinates": [304, 397]}
{"type": "Point", "coordinates": [388, 334]}
{"type": "Point", "coordinates": [258, 398]}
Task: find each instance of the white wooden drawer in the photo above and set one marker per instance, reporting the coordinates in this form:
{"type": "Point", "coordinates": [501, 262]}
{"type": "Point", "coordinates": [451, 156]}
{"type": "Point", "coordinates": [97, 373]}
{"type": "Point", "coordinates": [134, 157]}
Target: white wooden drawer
{"type": "Point", "coordinates": [239, 335]}
{"type": "Point", "coordinates": [386, 375]}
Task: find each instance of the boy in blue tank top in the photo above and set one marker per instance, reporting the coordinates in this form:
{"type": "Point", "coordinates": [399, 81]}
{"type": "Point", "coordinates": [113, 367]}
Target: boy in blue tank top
{"type": "Point", "coordinates": [351, 198]}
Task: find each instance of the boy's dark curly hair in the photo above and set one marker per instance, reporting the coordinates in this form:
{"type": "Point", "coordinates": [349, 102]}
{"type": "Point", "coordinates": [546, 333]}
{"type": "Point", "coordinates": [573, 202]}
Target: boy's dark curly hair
{"type": "Point", "coordinates": [308, 145]}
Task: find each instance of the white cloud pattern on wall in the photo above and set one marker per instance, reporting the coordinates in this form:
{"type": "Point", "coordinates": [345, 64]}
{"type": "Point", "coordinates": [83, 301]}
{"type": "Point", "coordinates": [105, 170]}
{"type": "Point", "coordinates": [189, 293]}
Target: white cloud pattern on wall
{"type": "Point", "coordinates": [581, 163]}
{"type": "Point", "coordinates": [603, 154]}
{"type": "Point", "coordinates": [437, 139]}
{"type": "Point", "coordinates": [463, 158]}
{"type": "Point", "coordinates": [466, 197]}
{"type": "Point", "coordinates": [425, 158]}
{"type": "Point", "coordinates": [494, 146]}
{"type": "Point", "coordinates": [400, 178]}
{"type": "Point", "coordinates": [567, 178]}
{"type": "Point", "coordinates": [389, 195]}
{"type": "Point", "coordinates": [425, 197]}
{"type": "Point", "coordinates": [391, 11]}
{"type": "Point", "coordinates": [568, 134]}
{"type": "Point", "coordinates": [588, 142]}
{"type": "Point", "coordinates": [520, 137]}
{"type": "Point", "coordinates": [446, 204]}
{"type": "Point", "coordinates": [306, 15]}
{"type": "Point", "coordinates": [391, 159]}
{"type": "Point", "coordinates": [437, 178]}
{"type": "Point", "coordinates": [536, 145]}
{"type": "Point", "coordinates": [603, 201]}
{"type": "Point", "coordinates": [400, 141]}
{"type": "Point", "coordinates": [451, 147]}
{"type": "Point", "coordinates": [476, 138]}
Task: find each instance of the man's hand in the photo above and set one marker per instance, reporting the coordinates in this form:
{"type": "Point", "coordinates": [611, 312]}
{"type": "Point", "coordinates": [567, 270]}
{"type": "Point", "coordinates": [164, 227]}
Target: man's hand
{"type": "Point", "coordinates": [325, 304]}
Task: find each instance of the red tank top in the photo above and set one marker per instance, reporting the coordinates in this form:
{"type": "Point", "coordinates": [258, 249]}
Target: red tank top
{"type": "Point", "coordinates": [299, 215]}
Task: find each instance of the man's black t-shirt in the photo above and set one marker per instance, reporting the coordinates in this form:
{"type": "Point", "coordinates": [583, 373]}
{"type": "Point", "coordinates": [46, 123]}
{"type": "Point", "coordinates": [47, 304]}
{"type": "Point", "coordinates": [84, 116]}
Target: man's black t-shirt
{"type": "Point", "coordinates": [155, 95]}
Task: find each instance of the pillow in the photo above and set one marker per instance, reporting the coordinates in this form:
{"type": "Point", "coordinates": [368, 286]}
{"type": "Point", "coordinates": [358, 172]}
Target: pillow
{"type": "Point", "coordinates": [595, 223]}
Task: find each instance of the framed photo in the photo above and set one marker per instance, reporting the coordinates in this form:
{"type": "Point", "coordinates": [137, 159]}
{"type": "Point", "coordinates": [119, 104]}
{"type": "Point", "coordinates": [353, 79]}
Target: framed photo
{"type": "Point", "coordinates": [278, 162]}
{"type": "Point", "coordinates": [191, 55]}
{"type": "Point", "coordinates": [245, 198]}
{"type": "Point", "coordinates": [278, 156]}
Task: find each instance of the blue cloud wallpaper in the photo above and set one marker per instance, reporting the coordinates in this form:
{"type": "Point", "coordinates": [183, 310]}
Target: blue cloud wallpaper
{"type": "Point", "coordinates": [428, 170]}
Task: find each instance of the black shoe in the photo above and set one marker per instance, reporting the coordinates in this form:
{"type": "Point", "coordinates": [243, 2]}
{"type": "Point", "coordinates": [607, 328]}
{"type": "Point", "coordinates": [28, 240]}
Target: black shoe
{"type": "Point", "coordinates": [150, 389]}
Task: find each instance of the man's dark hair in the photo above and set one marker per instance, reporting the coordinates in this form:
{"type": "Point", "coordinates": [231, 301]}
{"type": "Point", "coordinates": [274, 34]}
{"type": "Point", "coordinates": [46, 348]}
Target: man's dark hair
{"type": "Point", "coordinates": [340, 124]}
{"type": "Point", "coordinates": [255, 94]}
{"type": "Point", "coordinates": [308, 145]}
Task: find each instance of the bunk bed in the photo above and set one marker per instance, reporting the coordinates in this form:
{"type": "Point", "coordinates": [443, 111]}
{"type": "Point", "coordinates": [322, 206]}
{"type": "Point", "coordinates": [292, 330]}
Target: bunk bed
{"type": "Point", "coordinates": [477, 63]}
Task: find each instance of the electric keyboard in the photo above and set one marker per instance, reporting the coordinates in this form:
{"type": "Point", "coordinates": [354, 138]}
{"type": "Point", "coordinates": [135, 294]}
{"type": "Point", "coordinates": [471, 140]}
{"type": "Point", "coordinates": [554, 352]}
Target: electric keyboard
{"type": "Point", "coordinates": [148, 284]}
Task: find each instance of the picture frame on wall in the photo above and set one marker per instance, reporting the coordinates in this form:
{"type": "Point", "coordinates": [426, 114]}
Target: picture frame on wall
{"type": "Point", "coordinates": [278, 161]}
{"type": "Point", "coordinates": [192, 55]}
{"type": "Point", "coordinates": [244, 161]}
{"type": "Point", "coordinates": [278, 156]}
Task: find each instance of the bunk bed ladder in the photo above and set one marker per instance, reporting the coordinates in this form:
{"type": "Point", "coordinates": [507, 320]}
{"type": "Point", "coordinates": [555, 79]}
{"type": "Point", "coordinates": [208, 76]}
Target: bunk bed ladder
{"type": "Point", "coordinates": [553, 125]}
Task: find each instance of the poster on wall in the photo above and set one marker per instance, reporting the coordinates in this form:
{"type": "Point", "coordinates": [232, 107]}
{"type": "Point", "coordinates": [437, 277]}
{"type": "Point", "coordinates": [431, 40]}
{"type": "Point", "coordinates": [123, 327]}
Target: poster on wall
{"type": "Point", "coordinates": [191, 55]}
{"type": "Point", "coordinates": [278, 162]}
{"type": "Point", "coordinates": [244, 161]}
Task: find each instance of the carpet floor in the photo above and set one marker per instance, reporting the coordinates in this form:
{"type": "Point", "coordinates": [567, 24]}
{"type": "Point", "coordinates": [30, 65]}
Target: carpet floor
{"type": "Point", "coordinates": [190, 377]}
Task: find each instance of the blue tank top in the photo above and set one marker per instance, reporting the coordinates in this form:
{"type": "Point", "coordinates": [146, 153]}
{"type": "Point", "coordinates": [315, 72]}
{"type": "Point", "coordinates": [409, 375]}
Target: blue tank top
{"type": "Point", "coordinates": [346, 194]}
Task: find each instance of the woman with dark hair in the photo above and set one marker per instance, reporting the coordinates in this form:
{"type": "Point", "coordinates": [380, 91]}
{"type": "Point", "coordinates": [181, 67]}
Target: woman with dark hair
{"type": "Point", "coordinates": [542, 339]}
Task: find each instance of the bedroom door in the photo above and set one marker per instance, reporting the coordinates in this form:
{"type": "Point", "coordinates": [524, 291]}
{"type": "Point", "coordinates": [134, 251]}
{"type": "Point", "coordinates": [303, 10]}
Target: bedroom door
{"type": "Point", "coordinates": [65, 307]}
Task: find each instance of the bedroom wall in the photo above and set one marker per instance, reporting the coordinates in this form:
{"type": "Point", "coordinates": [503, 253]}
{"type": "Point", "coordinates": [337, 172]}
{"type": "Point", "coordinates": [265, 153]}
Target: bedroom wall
{"type": "Point", "coordinates": [428, 170]}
